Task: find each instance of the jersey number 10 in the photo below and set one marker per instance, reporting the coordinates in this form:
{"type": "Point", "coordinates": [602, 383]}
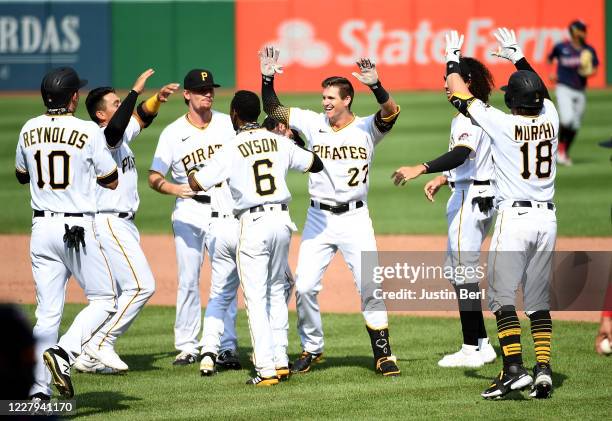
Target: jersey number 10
{"type": "Point", "coordinates": [53, 157]}
{"type": "Point", "coordinates": [543, 160]}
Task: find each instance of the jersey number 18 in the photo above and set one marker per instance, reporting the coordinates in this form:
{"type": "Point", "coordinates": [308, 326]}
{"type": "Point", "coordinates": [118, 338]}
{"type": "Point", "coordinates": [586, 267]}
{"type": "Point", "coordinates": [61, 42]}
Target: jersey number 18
{"type": "Point", "coordinates": [543, 159]}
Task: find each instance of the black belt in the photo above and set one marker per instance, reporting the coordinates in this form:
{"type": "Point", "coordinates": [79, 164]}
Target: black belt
{"type": "Point", "coordinates": [215, 214]}
{"type": "Point", "coordinates": [528, 204]}
{"type": "Point", "coordinates": [263, 208]}
{"type": "Point", "coordinates": [202, 198]}
{"type": "Point", "coordinates": [474, 182]}
{"type": "Point", "coordinates": [126, 215]}
{"type": "Point", "coordinates": [338, 209]}
{"type": "Point", "coordinates": [39, 213]}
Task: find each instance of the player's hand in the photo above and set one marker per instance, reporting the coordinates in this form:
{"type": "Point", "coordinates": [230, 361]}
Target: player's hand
{"type": "Point", "coordinates": [605, 331]}
{"type": "Point", "coordinates": [139, 85]}
{"type": "Point", "coordinates": [433, 186]}
{"type": "Point", "coordinates": [508, 46]}
{"type": "Point", "coordinates": [453, 46]}
{"type": "Point", "coordinates": [268, 61]}
{"type": "Point", "coordinates": [368, 75]}
{"type": "Point", "coordinates": [403, 174]}
{"type": "Point", "coordinates": [166, 91]}
{"type": "Point", "coordinates": [184, 191]}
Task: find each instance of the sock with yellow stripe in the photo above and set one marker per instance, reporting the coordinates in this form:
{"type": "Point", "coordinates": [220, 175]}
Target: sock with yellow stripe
{"type": "Point", "coordinates": [509, 334]}
{"type": "Point", "coordinates": [541, 331]}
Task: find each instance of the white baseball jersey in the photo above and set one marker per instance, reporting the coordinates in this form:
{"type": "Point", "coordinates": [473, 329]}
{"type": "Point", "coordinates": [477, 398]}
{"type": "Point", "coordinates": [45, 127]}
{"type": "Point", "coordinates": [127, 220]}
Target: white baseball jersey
{"type": "Point", "coordinates": [346, 154]}
{"type": "Point", "coordinates": [125, 197]}
{"type": "Point", "coordinates": [524, 149]}
{"type": "Point", "coordinates": [479, 165]}
{"type": "Point", "coordinates": [64, 157]}
{"type": "Point", "coordinates": [183, 146]}
{"type": "Point", "coordinates": [255, 165]}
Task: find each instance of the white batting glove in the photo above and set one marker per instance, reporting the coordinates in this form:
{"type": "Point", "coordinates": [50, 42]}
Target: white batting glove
{"type": "Point", "coordinates": [453, 46]}
{"type": "Point", "coordinates": [508, 46]}
{"type": "Point", "coordinates": [268, 61]}
{"type": "Point", "coordinates": [368, 75]}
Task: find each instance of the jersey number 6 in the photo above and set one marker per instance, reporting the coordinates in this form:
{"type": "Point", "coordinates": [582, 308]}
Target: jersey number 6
{"type": "Point", "coordinates": [65, 164]}
{"type": "Point", "coordinates": [265, 179]}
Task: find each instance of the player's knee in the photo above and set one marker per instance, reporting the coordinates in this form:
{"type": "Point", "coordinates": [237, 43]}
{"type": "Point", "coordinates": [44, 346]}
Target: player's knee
{"type": "Point", "coordinates": [108, 305]}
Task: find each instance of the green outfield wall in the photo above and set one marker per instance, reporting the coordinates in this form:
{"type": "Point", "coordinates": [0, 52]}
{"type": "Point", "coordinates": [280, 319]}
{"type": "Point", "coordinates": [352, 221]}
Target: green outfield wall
{"type": "Point", "coordinates": [173, 37]}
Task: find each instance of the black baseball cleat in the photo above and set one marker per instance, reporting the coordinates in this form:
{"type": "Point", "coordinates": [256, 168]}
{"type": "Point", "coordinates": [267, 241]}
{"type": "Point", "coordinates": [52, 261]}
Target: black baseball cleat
{"type": "Point", "coordinates": [228, 359]}
{"type": "Point", "coordinates": [387, 366]}
{"type": "Point", "coordinates": [262, 381]}
{"type": "Point", "coordinates": [58, 363]}
{"type": "Point", "coordinates": [207, 364]}
{"type": "Point", "coordinates": [303, 363]}
{"type": "Point", "coordinates": [513, 377]}
{"type": "Point", "coordinates": [542, 385]}
{"type": "Point", "coordinates": [185, 358]}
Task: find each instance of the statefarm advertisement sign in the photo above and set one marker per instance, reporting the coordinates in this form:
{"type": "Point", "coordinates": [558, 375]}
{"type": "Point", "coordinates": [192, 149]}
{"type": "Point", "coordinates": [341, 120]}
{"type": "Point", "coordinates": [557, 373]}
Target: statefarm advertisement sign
{"type": "Point", "coordinates": [321, 38]}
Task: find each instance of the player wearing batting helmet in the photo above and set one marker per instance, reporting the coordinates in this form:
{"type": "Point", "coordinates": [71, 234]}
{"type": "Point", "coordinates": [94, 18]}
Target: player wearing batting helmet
{"type": "Point", "coordinates": [524, 144]}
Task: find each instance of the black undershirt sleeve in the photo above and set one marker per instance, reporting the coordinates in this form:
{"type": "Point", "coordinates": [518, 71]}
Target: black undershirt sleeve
{"type": "Point", "coordinates": [317, 164]}
{"type": "Point", "coordinates": [450, 160]}
{"type": "Point", "coordinates": [116, 126]}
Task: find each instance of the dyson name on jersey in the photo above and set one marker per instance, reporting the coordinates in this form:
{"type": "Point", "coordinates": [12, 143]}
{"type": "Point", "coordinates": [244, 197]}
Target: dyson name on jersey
{"type": "Point", "coordinates": [257, 146]}
{"type": "Point", "coordinates": [54, 135]}
{"type": "Point", "coordinates": [535, 132]}
{"type": "Point", "coordinates": [201, 154]}
{"type": "Point", "coordinates": [340, 152]}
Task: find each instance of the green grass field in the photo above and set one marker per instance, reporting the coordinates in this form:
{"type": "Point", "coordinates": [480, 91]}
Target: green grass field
{"type": "Point", "coordinates": [344, 386]}
{"type": "Point", "coordinates": [583, 191]}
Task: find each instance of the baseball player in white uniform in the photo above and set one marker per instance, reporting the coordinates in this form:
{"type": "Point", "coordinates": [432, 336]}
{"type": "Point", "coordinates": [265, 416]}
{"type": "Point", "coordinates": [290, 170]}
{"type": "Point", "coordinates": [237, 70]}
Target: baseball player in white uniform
{"type": "Point", "coordinates": [255, 165]}
{"type": "Point", "coordinates": [115, 218]}
{"type": "Point", "coordinates": [524, 144]}
{"type": "Point", "coordinates": [338, 218]}
{"type": "Point", "coordinates": [62, 158]}
{"type": "Point", "coordinates": [469, 213]}
{"type": "Point", "coordinates": [189, 141]}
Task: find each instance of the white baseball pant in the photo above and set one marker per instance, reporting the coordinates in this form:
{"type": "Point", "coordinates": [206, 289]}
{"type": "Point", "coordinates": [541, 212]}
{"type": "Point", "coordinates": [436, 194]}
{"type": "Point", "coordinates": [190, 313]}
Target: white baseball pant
{"type": "Point", "coordinates": [52, 265]}
{"type": "Point", "coordinates": [262, 261]}
{"type": "Point", "coordinates": [190, 223]}
{"type": "Point", "coordinates": [324, 234]}
{"type": "Point", "coordinates": [121, 245]}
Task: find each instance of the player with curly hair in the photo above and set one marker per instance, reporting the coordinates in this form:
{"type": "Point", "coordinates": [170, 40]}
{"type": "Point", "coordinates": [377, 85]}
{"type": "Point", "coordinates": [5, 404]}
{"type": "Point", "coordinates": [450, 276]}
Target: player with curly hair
{"type": "Point", "coordinates": [468, 168]}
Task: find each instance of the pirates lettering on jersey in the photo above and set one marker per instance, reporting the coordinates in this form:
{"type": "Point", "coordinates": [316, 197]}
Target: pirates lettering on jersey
{"type": "Point", "coordinates": [534, 132]}
{"type": "Point", "coordinates": [257, 146]}
{"type": "Point", "coordinates": [201, 154]}
{"type": "Point", "coordinates": [54, 135]}
{"type": "Point", "coordinates": [128, 163]}
{"type": "Point", "coordinates": [337, 153]}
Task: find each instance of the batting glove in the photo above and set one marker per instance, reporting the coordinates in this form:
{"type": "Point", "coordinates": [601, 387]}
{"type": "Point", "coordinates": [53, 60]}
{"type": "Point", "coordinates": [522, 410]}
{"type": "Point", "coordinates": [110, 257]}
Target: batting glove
{"type": "Point", "coordinates": [368, 75]}
{"type": "Point", "coordinates": [453, 46]}
{"type": "Point", "coordinates": [268, 61]}
{"type": "Point", "coordinates": [508, 46]}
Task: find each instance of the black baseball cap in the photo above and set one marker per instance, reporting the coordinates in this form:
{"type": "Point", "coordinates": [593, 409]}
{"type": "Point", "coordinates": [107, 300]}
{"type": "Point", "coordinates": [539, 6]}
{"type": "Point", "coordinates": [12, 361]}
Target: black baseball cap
{"type": "Point", "coordinates": [578, 24]}
{"type": "Point", "coordinates": [199, 79]}
{"type": "Point", "coordinates": [58, 85]}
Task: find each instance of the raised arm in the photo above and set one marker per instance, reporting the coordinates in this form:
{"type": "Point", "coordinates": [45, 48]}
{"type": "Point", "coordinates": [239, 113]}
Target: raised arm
{"type": "Point", "coordinates": [509, 49]}
{"type": "Point", "coordinates": [268, 61]}
{"type": "Point", "coordinates": [369, 77]}
{"type": "Point", "coordinates": [118, 123]}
